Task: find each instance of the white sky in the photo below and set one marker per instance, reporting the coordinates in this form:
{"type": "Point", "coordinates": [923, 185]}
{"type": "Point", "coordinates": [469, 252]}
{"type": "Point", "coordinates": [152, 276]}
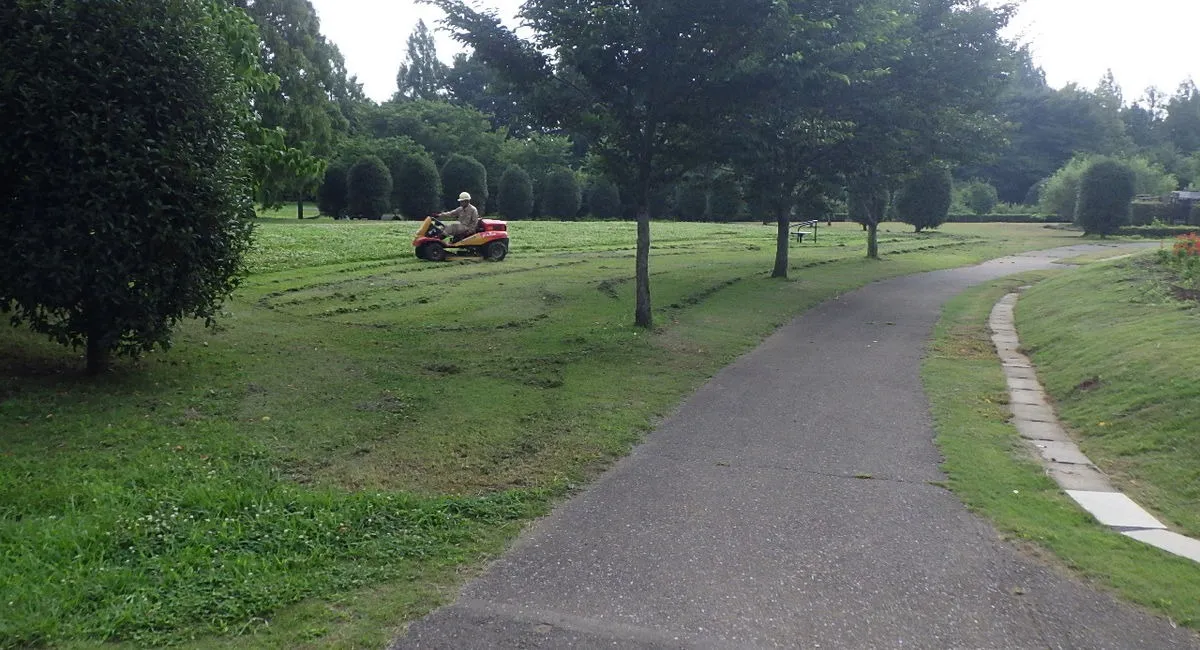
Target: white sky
{"type": "Point", "coordinates": [1148, 42]}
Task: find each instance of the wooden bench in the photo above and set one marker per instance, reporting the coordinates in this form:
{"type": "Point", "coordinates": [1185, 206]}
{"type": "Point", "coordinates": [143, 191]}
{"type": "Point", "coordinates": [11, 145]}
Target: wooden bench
{"type": "Point", "coordinates": [800, 231]}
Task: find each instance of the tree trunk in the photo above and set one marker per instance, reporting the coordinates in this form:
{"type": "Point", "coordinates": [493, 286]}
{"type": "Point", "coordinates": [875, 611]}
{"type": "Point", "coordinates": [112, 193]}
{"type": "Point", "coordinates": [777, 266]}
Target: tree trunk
{"type": "Point", "coordinates": [873, 240]}
{"type": "Point", "coordinates": [781, 243]}
{"type": "Point", "coordinates": [642, 315]}
{"type": "Point", "coordinates": [98, 354]}
{"type": "Point", "coordinates": [299, 208]}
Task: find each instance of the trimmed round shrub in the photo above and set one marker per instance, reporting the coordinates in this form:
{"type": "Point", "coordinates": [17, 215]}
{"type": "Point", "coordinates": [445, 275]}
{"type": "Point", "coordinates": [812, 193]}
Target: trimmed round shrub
{"type": "Point", "coordinates": [1106, 191]}
{"type": "Point", "coordinates": [515, 200]}
{"type": "Point", "coordinates": [331, 195]}
{"type": "Point", "coordinates": [368, 188]}
{"type": "Point", "coordinates": [924, 200]}
{"type": "Point", "coordinates": [417, 187]}
{"type": "Point", "coordinates": [980, 197]}
{"type": "Point", "coordinates": [464, 174]}
{"type": "Point", "coordinates": [604, 200]}
{"type": "Point", "coordinates": [126, 200]}
{"type": "Point", "coordinates": [561, 196]}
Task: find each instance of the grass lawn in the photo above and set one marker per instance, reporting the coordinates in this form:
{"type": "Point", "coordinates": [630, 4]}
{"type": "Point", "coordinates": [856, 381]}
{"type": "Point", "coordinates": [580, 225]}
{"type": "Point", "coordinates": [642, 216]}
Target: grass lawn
{"type": "Point", "coordinates": [1102, 321]}
{"type": "Point", "coordinates": [364, 429]}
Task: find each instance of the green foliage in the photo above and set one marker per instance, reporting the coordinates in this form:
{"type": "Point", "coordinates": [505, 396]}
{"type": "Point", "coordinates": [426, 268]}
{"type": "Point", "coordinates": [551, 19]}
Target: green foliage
{"type": "Point", "coordinates": [417, 188]}
{"type": "Point", "coordinates": [422, 75]}
{"type": "Point", "coordinates": [1060, 193]}
{"type": "Point", "coordinates": [979, 197]}
{"type": "Point", "coordinates": [368, 188]}
{"type": "Point", "coordinates": [464, 174]}
{"type": "Point", "coordinates": [516, 194]}
{"type": "Point", "coordinates": [539, 154]}
{"type": "Point", "coordinates": [1144, 213]}
{"type": "Point", "coordinates": [1105, 192]}
{"type": "Point", "coordinates": [1194, 215]}
{"type": "Point", "coordinates": [126, 209]}
{"type": "Point", "coordinates": [441, 128]}
{"type": "Point", "coordinates": [924, 199]}
{"type": "Point", "coordinates": [725, 202]}
{"type": "Point", "coordinates": [604, 199]}
{"type": "Point", "coordinates": [561, 196]}
{"type": "Point", "coordinates": [331, 195]}
{"type": "Point", "coordinates": [691, 199]}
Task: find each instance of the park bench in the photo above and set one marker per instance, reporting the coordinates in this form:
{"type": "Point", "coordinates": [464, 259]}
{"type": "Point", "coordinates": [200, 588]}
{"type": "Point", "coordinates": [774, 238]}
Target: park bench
{"type": "Point", "coordinates": [801, 230]}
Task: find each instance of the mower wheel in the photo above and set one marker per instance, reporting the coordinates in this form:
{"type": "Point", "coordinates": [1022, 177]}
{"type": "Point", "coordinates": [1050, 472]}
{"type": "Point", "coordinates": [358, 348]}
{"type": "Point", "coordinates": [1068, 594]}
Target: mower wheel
{"type": "Point", "coordinates": [434, 252]}
{"type": "Point", "coordinates": [420, 252]}
{"type": "Point", "coordinates": [495, 251]}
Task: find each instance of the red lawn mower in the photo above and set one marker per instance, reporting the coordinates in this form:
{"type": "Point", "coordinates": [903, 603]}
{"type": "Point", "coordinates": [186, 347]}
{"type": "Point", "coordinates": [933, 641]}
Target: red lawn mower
{"type": "Point", "coordinates": [490, 242]}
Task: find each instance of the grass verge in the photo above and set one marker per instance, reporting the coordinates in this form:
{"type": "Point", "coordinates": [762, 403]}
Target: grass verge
{"type": "Point", "coordinates": [364, 429]}
{"type": "Point", "coordinates": [995, 474]}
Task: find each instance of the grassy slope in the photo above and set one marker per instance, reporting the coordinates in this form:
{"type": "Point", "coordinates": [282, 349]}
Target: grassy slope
{"type": "Point", "coordinates": [993, 471]}
{"type": "Point", "coordinates": [1119, 356]}
{"type": "Point", "coordinates": [315, 449]}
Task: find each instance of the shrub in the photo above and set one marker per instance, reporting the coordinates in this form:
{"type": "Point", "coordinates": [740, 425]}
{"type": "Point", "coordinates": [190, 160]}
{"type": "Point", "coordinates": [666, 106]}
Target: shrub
{"type": "Point", "coordinates": [418, 186]}
{"type": "Point", "coordinates": [725, 201]}
{"type": "Point", "coordinates": [691, 200]}
{"type": "Point", "coordinates": [980, 197]}
{"type": "Point", "coordinates": [331, 195]}
{"type": "Point", "coordinates": [1105, 193]}
{"type": "Point", "coordinates": [516, 194]}
{"type": "Point", "coordinates": [464, 174]}
{"type": "Point", "coordinates": [924, 200]}
{"type": "Point", "coordinates": [368, 188]}
{"type": "Point", "coordinates": [560, 195]}
{"type": "Point", "coordinates": [126, 201]}
{"type": "Point", "coordinates": [604, 200]}
{"type": "Point", "coordinates": [1060, 194]}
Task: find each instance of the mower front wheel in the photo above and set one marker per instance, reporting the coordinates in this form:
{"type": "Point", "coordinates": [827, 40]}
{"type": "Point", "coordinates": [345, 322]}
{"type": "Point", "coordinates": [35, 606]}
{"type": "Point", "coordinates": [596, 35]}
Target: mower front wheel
{"type": "Point", "coordinates": [495, 251]}
{"type": "Point", "coordinates": [433, 251]}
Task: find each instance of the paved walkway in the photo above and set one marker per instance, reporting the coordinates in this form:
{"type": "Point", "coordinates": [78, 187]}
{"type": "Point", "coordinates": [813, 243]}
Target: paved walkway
{"type": "Point", "coordinates": [740, 523]}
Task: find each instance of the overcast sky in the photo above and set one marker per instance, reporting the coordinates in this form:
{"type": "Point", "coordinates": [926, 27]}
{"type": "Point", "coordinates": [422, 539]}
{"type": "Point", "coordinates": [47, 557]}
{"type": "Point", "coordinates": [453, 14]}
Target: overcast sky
{"type": "Point", "coordinates": [1145, 43]}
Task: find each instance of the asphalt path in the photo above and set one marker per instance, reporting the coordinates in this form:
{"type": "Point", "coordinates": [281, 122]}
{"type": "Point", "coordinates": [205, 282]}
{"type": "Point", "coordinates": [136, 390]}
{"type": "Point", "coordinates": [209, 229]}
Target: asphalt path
{"type": "Point", "coordinates": [744, 520]}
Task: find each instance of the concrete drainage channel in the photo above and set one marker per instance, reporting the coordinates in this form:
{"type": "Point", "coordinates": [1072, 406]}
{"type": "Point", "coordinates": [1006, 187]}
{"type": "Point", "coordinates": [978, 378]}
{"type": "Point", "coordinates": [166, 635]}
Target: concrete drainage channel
{"type": "Point", "coordinates": [1064, 462]}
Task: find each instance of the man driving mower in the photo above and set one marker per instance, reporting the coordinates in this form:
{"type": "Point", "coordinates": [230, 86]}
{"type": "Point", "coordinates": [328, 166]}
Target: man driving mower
{"type": "Point", "coordinates": [467, 215]}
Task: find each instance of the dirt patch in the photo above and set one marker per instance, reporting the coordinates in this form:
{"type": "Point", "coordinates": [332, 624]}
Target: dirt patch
{"type": "Point", "coordinates": [1091, 383]}
{"type": "Point", "coordinates": [386, 403]}
{"type": "Point", "coordinates": [1185, 294]}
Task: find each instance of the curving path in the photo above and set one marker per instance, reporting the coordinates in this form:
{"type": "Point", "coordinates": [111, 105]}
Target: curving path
{"type": "Point", "coordinates": [740, 523]}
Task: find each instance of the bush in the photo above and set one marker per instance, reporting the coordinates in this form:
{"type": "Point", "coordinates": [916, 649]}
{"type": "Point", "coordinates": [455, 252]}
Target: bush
{"type": "Point", "coordinates": [1060, 194]}
{"type": "Point", "coordinates": [725, 201]}
{"type": "Point", "coordinates": [417, 186]}
{"type": "Point", "coordinates": [691, 200]}
{"type": "Point", "coordinates": [464, 174]}
{"type": "Point", "coordinates": [516, 194]}
{"type": "Point", "coordinates": [368, 188]}
{"type": "Point", "coordinates": [126, 200]}
{"type": "Point", "coordinates": [979, 197]}
{"type": "Point", "coordinates": [331, 195]}
{"type": "Point", "coordinates": [1157, 232]}
{"type": "Point", "coordinates": [560, 195]}
{"type": "Point", "coordinates": [1105, 192]}
{"type": "Point", "coordinates": [924, 200]}
{"type": "Point", "coordinates": [604, 200]}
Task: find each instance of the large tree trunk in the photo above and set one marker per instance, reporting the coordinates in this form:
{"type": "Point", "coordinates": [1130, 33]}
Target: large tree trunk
{"type": "Point", "coordinates": [98, 354]}
{"type": "Point", "coordinates": [299, 208]}
{"type": "Point", "coordinates": [873, 240]}
{"type": "Point", "coordinates": [781, 243]}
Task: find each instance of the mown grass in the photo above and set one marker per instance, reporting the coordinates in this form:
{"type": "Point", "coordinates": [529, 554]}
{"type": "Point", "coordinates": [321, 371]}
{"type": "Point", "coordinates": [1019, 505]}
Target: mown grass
{"type": "Point", "coordinates": [994, 472]}
{"type": "Point", "coordinates": [1117, 351]}
{"type": "Point", "coordinates": [364, 430]}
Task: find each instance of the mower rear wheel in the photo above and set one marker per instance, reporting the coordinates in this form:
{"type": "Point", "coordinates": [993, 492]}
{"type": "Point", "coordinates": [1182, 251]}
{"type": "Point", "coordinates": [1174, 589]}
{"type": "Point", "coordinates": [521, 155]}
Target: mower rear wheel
{"type": "Point", "coordinates": [495, 251]}
{"type": "Point", "coordinates": [434, 252]}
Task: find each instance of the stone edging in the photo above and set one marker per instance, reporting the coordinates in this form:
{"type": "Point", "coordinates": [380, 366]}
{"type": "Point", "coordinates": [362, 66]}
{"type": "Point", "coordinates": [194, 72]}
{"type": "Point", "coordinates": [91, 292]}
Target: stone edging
{"type": "Point", "coordinates": [1064, 462]}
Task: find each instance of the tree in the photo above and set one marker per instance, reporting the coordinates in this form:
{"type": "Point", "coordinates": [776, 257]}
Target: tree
{"type": "Point", "coordinates": [560, 197]}
{"type": "Point", "coordinates": [417, 186]}
{"type": "Point", "coordinates": [310, 104]}
{"type": "Point", "coordinates": [725, 202]}
{"type": "Point", "coordinates": [368, 188]}
{"type": "Point", "coordinates": [1060, 193]}
{"type": "Point", "coordinates": [604, 200]}
{"type": "Point", "coordinates": [1105, 193]}
{"type": "Point", "coordinates": [440, 128]}
{"type": "Point", "coordinates": [691, 198]}
{"type": "Point", "coordinates": [642, 80]}
{"type": "Point", "coordinates": [471, 82]}
{"type": "Point", "coordinates": [944, 63]}
{"type": "Point", "coordinates": [464, 174]}
{"type": "Point", "coordinates": [129, 203]}
{"type": "Point", "coordinates": [422, 75]}
{"type": "Point", "coordinates": [979, 197]}
{"type": "Point", "coordinates": [331, 195]}
{"type": "Point", "coordinates": [1182, 123]}
{"type": "Point", "coordinates": [516, 194]}
{"type": "Point", "coordinates": [924, 199]}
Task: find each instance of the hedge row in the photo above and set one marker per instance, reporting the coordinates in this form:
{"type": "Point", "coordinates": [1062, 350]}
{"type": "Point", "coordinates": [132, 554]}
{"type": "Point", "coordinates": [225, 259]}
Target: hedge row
{"type": "Point", "coordinates": [1157, 232]}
